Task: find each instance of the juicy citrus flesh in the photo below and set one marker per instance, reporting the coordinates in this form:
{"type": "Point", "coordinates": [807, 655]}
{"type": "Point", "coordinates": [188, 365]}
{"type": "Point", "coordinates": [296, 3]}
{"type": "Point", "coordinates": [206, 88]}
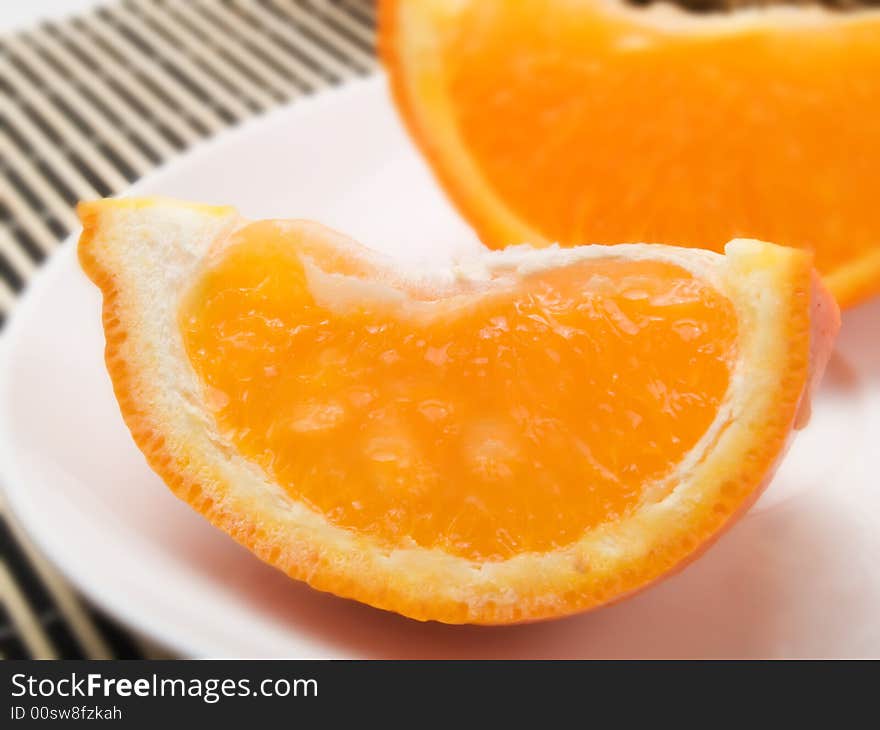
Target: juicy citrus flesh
{"type": "Point", "coordinates": [616, 129]}
{"type": "Point", "coordinates": [483, 422]}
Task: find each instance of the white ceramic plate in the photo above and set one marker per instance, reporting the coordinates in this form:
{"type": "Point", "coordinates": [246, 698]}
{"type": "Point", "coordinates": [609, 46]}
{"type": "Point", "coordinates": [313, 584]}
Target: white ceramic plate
{"type": "Point", "coordinates": [797, 576]}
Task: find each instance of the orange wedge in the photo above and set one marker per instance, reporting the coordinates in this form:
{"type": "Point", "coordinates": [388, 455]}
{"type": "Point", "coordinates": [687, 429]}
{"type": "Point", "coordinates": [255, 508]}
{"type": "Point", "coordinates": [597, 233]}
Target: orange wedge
{"type": "Point", "coordinates": [600, 121]}
{"type": "Point", "coordinates": [529, 434]}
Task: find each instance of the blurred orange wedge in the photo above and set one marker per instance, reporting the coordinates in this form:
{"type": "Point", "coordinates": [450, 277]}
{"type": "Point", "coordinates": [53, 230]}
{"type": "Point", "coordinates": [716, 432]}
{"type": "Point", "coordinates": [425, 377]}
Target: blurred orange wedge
{"type": "Point", "coordinates": [531, 433]}
{"type": "Point", "coordinates": [598, 121]}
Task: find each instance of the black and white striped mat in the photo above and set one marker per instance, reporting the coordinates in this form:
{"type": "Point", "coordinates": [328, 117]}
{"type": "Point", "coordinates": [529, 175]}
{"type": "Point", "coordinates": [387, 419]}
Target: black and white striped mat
{"type": "Point", "coordinates": [89, 105]}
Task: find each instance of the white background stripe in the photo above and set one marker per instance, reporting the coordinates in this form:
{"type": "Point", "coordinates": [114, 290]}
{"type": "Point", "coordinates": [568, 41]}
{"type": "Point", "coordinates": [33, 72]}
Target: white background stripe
{"type": "Point", "coordinates": [243, 55]}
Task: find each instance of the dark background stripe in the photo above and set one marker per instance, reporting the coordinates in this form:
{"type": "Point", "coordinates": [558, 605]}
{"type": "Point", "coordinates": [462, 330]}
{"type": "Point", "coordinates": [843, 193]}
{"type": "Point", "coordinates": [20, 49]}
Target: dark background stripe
{"type": "Point", "coordinates": [157, 75]}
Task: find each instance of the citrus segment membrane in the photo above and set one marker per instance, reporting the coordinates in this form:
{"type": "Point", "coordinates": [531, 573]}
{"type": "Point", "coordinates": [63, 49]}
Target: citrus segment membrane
{"type": "Point", "coordinates": [484, 420]}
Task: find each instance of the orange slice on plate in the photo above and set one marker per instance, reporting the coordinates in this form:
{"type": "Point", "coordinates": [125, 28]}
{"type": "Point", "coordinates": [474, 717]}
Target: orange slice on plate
{"type": "Point", "coordinates": [602, 121]}
{"type": "Point", "coordinates": [528, 434]}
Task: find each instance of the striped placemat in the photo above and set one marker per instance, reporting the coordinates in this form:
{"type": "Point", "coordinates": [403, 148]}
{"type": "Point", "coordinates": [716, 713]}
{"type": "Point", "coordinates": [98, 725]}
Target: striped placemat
{"type": "Point", "coordinates": [89, 105]}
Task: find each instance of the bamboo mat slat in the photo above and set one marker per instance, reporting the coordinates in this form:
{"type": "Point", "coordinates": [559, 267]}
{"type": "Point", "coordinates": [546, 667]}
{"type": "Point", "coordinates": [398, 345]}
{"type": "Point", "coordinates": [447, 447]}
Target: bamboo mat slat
{"type": "Point", "coordinates": [88, 106]}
